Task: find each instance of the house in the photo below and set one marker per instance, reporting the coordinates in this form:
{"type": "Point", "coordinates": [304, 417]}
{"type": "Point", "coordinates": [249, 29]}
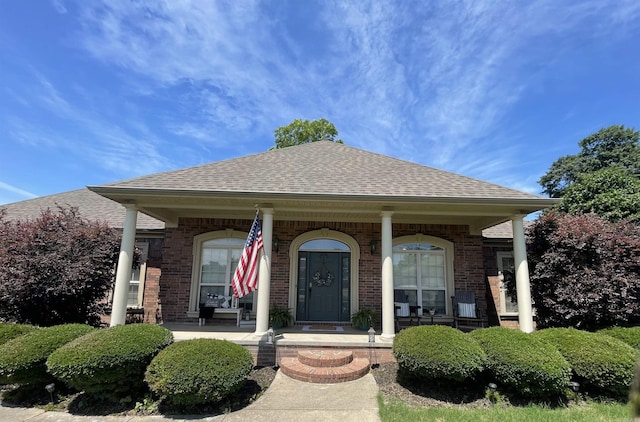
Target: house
{"type": "Point", "coordinates": [343, 229]}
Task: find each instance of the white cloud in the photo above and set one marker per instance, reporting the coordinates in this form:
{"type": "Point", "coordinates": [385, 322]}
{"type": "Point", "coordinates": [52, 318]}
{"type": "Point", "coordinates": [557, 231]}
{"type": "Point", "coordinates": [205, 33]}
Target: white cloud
{"type": "Point", "coordinates": [14, 190]}
{"type": "Point", "coordinates": [430, 82]}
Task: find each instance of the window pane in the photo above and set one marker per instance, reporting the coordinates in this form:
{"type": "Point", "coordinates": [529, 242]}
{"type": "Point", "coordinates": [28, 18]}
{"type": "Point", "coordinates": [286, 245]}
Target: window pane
{"type": "Point", "coordinates": [509, 306]}
{"type": "Point", "coordinates": [214, 266]}
{"type": "Point", "coordinates": [434, 299]}
{"type": "Point", "coordinates": [405, 270]}
{"type": "Point", "coordinates": [224, 243]}
{"type": "Point", "coordinates": [432, 271]}
{"type": "Point", "coordinates": [417, 247]}
{"type": "Point", "coordinates": [213, 290]}
{"type": "Point", "coordinates": [132, 297]}
{"type": "Point", "coordinates": [324, 245]}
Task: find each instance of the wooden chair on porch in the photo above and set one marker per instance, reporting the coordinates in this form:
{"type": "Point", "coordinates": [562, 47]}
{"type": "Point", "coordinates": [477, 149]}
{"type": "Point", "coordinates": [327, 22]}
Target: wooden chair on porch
{"type": "Point", "coordinates": [466, 313]}
{"type": "Point", "coordinates": [404, 309]}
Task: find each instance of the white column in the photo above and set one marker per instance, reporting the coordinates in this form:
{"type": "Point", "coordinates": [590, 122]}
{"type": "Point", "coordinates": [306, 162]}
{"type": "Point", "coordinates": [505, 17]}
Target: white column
{"type": "Point", "coordinates": [523, 287]}
{"type": "Point", "coordinates": [264, 274]}
{"type": "Point", "coordinates": [388, 319]}
{"type": "Point", "coordinates": [123, 272]}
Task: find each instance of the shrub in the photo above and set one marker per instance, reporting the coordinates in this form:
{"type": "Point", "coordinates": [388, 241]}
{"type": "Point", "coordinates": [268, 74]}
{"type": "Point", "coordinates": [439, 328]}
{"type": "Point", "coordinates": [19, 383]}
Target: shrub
{"type": "Point", "coordinates": [110, 361]}
{"type": "Point", "coordinates": [522, 363]}
{"type": "Point", "coordinates": [601, 363]}
{"type": "Point", "coordinates": [10, 331]}
{"type": "Point", "coordinates": [198, 371]}
{"type": "Point", "coordinates": [55, 269]}
{"type": "Point", "coordinates": [630, 335]}
{"type": "Point", "coordinates": [584, 271]}
{"type": "Point", "coordinates": [438, 352]}
{"type": "Point", "coordinates": [22, 359]}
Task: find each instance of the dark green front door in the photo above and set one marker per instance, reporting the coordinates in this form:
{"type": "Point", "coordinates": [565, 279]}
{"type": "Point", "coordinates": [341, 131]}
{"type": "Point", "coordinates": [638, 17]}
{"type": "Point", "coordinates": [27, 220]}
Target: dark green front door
{"type": "Point", "coordinates": [323, 286]}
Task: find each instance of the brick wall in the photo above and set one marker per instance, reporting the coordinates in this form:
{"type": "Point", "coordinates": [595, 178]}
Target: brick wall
{"type": "Point", "coordinates": [175, 280]}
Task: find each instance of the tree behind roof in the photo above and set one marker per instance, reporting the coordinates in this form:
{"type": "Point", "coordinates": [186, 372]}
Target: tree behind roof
{"type": "Point", "coordinates": [301, 132]}
{"type": "Point", "coordinates": [614, 146]}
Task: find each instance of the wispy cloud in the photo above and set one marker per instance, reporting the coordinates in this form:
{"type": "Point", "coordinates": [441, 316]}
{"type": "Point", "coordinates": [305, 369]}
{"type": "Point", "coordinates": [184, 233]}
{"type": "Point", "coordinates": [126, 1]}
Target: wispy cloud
{"type": "Point", "coordinates": [15, 191]}
{"type": "Point", "coordinates": [430, 82]}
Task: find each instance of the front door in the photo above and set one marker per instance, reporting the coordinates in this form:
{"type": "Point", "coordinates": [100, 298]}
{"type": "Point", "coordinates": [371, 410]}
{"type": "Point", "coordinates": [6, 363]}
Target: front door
{"type": "Point", "coordinates": [323, 286]}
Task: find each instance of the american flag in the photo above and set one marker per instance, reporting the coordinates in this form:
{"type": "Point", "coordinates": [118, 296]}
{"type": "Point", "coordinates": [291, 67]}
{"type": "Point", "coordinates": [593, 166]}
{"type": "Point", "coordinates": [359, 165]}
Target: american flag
{"type": "Point", "coordinates": [245, 278]}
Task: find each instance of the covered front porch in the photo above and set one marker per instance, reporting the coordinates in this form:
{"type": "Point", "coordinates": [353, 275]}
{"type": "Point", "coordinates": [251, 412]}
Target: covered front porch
{"type": "Point", "coordinates": [288, 341]}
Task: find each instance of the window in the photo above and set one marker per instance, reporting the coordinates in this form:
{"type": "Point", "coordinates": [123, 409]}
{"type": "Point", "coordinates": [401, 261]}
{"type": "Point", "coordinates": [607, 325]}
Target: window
{"type": "Point", "coordinates": [136, 284]}
{"type": "Point", "coordinates": [216, 257]}
{"type": "Point", "coordinates": [506, 271]}
{"type": "Point", "coordinates": [219, 260]}
{"type": "Point", "coordinates": [424, 271]}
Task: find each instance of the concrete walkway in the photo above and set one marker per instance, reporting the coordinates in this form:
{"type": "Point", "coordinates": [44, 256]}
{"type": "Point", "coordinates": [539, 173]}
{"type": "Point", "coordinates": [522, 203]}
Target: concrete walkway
{"type": "Point", "coordinates": [286, 400]}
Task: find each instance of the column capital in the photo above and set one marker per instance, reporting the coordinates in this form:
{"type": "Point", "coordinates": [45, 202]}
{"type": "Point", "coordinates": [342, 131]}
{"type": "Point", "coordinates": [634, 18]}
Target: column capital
{"type": "Point", "coordinates": [386, 213]}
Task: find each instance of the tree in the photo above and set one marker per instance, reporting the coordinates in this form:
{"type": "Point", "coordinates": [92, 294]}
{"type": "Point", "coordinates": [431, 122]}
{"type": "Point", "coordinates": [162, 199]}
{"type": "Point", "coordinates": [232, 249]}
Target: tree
{"type": "Point", "coordinates": [611, 193]}
{"type": "Point", "coordinates": [584, 271]}
{"type": "Point", "coordinates": [613, 146]}
{"type": "Point", "coordinates": [55, 269]}
{"type": "Point", "coordinates": [301, 132]}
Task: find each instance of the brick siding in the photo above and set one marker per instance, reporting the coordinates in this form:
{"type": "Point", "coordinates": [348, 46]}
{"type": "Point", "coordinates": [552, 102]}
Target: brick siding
{"type": "Point", "coordinates": [175, 279]}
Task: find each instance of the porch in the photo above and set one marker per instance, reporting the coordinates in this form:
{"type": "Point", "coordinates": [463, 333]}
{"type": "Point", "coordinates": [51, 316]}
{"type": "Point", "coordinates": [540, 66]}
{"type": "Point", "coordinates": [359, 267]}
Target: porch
{"type": "Point", "coordinates": [289, 341]}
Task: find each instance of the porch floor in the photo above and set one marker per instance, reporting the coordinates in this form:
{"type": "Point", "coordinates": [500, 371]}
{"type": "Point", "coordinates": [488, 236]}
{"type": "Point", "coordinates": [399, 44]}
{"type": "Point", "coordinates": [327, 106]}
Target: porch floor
{"type": "Point", "coordinates": [289, 336]}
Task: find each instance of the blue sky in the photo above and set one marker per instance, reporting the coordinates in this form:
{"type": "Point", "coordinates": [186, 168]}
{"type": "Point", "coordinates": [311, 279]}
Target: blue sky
{"type": "Point", "coordinates": [93, 92]}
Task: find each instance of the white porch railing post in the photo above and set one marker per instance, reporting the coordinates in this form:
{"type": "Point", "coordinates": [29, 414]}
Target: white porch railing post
{"type": "Point", "coordinates": [264, 274]}
{"type": "Point", "coordinates": [123, 272]}
{"type": "Point", "coordinates": [523, 286]}
{"type": "Point", "coordinates": [388, 319]}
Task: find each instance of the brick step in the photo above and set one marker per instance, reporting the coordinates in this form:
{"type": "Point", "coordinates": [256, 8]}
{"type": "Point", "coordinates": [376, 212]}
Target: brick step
{"type": "Point", "coordinates": [354, 369]}
{"type": "Point", "coordinates": [325, 358]}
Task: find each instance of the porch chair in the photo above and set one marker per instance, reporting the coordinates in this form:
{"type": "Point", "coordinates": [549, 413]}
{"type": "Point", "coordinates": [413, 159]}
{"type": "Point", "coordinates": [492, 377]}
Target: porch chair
{"type": "Point", "coordinates": [465, 310]}
{"type": "Point", "coordinates": [403, 309]}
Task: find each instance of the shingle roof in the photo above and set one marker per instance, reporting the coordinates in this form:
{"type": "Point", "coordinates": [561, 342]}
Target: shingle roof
{"type": "Point", "coordinates": [502, 231]}
{"type": "Point", "coordinates": [323, 168]}
{"type": "Point", "coordinates": [91, 206]}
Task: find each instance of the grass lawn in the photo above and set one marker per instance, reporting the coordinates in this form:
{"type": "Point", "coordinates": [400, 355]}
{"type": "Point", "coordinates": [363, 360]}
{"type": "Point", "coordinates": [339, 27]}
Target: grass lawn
{"type": "Point", "coordinates": [397, 411]}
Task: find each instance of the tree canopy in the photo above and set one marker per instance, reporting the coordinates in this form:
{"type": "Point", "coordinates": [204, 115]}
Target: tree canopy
{"type": "Point", "coordinates": [585, 271]}
{"type": "Point", "coordinates": [614, 146]}
{"type": "Point", "coordinates": [611, 193]}
{"type": "Point", "coordinates": [305, 131]}
{"type": "Point", "coordinates": [56, 268]}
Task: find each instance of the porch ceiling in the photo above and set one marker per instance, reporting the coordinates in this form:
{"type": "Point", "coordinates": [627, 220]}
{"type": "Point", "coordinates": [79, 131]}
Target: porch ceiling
{"type": "Point", "coordinates": [170, 206]}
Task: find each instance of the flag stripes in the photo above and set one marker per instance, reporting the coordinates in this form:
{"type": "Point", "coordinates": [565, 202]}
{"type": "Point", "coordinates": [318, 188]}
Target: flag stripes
{"type": "Point", "coordinates": [245, 278]}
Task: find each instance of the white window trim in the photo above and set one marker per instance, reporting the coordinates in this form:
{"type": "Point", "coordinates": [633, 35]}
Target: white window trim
{"type": "Point", "coordinates": [198, 241]}
{"type": "Point", "coordinates": [294, 248]}
{"type": "Point", "coordinates": [447, 246]}
{"type": "Point", "coordinates": [503, 297]}
{"type": "Point", "coordinates": [144, 256]}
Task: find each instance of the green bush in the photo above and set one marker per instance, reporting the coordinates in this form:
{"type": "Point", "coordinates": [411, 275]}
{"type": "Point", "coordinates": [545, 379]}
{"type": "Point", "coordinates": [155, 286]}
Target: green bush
{"type": "Point", "coordinates": [438, 352]}
{"type": "Point", "coordinates": [630, 335]}
{"type": "Point", "coordinates": [602, 364]}
{"type": "Point", "coordinates": [10, 331]}
{"type": "Point", "coordinates": [22, 359]}
{"type": "Point", "coordinates": [110, 361]}
{"type": "Point", "coordinates": [523, 364]}
{"type": "Point", "coordinates": [198, 371]}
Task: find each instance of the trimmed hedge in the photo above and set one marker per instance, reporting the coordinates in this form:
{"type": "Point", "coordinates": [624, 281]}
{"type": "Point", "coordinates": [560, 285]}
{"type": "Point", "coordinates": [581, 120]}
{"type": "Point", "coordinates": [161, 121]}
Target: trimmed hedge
{"type": "Point", "coordinates": [601, 363]}
{"type": "Point", "coordinates": [630, 335]}
{"type": "Point", "coordinates": [10, 331]}
{"type": "Point", "coordinates": [22, 359]}
{"type": "Point", "coordinates": [198, 371]}
{"type": "Point", "coordinates": [438, 352]}
{"type": "Point", "coordinates": [523, 364]}
{"type": "Point", "coordinates": [110, 361]}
